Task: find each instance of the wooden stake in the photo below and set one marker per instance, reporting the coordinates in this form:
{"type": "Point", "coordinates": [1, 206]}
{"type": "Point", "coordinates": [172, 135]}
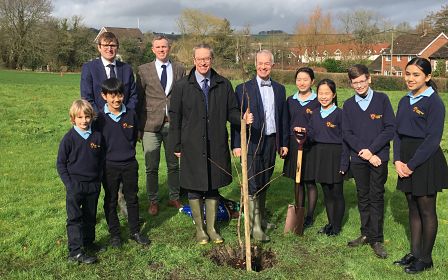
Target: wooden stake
{"type": "Point", "coordinates": [245, 194]}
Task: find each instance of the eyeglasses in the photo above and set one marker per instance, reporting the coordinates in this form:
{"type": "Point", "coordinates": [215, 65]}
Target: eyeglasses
{"type": "Point", "coordinates": [108, 46]}
{"type": "Point", "coordinates": [360, 83]}
{"type": "Point", "coordinates": [205, 59]}
{"type": "Point", "coordinates": [267, 64]}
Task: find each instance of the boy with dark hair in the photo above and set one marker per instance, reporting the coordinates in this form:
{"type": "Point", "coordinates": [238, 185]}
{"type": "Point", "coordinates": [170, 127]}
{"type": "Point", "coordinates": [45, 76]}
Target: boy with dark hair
{"type": "Point", "coordinates": [119, 127]}
{"type": "Point", "coordinates": [368, 125]}
{"type": "Point", "coordinates": [79, 164]}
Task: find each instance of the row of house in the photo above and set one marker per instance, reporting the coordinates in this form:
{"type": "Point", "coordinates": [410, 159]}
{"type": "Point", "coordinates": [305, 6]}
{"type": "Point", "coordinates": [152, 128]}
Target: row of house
{"type": "Point", "coordinates": [387, 59]}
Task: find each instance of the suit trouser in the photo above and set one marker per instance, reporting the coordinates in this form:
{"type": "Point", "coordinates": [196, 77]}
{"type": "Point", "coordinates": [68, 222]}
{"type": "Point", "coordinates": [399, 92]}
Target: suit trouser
{"type": "Point", "coordinates": [370, 182]}
{"type": "Point", "coordinates": [151, 145]}
{"type": "Point", "coordinates": [127, 173]}
{"type": "Point", "coordinates": [261, 166]}
{"type": "Point", "coordinates": [81, 201]}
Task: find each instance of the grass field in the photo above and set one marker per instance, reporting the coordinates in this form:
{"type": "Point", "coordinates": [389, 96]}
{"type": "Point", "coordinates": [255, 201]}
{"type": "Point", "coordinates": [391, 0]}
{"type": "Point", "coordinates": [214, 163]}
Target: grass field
{"type": "Point", "coordinates": [34, 112]}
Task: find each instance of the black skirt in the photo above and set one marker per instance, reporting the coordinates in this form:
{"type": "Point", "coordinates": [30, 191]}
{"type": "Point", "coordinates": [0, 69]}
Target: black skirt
{"type": "Point", "coordinates": [428, 178]}
{"type": "Point", "coordinates": [290, 165]}
{"type": "Point", "coordinates": [327, 163]}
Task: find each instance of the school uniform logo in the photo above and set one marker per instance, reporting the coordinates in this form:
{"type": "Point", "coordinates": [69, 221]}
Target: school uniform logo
{"type": "Point", "coordinates": [375, 116]}
{"type": "Point", "coordinates": [126, 125]}
{"type": "Point", "coordinates": [330, 125]}
{"type": "Point", "coordinates": [94, 146]}
{"type": "Point", "coordinates": [308, 111]}
{"type": "Point", "coordinates": [418, 111]}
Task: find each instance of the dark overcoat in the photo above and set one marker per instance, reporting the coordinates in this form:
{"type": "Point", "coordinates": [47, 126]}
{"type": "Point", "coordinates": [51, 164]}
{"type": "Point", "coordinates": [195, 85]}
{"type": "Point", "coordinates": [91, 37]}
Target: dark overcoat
{"type": "Point", "coordinates": [201, 136]}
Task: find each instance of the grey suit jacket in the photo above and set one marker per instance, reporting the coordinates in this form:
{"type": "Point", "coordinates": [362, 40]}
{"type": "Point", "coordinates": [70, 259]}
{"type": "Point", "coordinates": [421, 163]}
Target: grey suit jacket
{"type": "Point", "coordinates": [152, 100]}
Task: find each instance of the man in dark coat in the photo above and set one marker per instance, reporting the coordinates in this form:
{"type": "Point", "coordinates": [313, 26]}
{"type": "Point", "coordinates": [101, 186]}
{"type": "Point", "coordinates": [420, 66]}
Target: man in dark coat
{"type": "Point", "coordinates": [201, 105]}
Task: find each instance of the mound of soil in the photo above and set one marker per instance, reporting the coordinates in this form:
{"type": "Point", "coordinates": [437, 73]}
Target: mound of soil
{"type": "Point", "coordinates": [236, 257]}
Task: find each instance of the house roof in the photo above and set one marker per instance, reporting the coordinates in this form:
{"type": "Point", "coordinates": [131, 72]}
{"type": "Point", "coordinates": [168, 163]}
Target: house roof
{"type": "Point", "coordinates": [122, 33]}
{"type": "Point", "coordinates": [345, 48]}
{"type": "Point", "coordinates": [375, 66]}
{"type": "Point", "coordinates": [441, 53]}
{"type": "Point", "coordinates": [414, 44]}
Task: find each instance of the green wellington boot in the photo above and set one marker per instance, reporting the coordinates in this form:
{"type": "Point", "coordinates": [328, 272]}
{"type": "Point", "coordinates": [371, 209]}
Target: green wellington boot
{"type": "Point", "coordinates": [264, 222]}
{"type": "Point", "coordinates": [255, 219]}
{"type": "Point", "coordinates": [198, 218]}
{"type": "Point", "coordinates": [210, 219]}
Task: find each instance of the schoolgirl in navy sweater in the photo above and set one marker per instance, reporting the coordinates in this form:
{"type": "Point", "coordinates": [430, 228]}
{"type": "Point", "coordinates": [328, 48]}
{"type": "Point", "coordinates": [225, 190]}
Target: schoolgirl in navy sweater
{"type": "Point", "coordinates": [299, 108]}
{"type": "Point", "coordinates": [368, 125]}
{"type": "Point", "coordinates": [419, 161]}
{"type": "Point", "coordinates": [331, 154]}
{"type": "Point", "coordinates": [118, 125]}
{"type": "Point", "coordinates": [79, 164]}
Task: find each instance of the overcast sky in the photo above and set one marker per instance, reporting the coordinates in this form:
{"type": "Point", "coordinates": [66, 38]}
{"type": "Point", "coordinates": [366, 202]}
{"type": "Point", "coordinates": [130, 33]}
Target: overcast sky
{"type": "Point", "coordinates": [161, 16]}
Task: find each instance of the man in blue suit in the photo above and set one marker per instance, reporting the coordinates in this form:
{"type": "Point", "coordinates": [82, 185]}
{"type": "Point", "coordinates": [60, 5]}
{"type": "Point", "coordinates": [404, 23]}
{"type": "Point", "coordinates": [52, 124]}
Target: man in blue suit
{"type": "Point", "coordinates": [94, 72]}
{"type": "Point", "coordinates": [268, 135]}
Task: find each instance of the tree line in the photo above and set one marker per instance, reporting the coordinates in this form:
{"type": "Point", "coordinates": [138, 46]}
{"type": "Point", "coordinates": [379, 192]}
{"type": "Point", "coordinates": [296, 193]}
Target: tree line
{"type": "Point", "coordinates": [31, 38]}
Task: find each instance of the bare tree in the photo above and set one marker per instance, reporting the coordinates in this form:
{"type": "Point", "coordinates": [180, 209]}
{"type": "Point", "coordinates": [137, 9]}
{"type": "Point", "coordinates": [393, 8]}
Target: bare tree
{"type": "Point", "coordinates": [19, 19]}
{"type": "Point", "coordinates": [315, 31]}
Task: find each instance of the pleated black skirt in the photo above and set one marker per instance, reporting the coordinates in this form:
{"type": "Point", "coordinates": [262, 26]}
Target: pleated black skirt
{"type": "Point", "coordinates": [428, 178]}
{"type": "Point", "coordinates": [327, 163]}
{"type": "Point", "coordinates": [290, 164]}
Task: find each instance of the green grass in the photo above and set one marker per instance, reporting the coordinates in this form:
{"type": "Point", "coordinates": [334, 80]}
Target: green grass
{"type": "Point", "coordinates": [34, 111]}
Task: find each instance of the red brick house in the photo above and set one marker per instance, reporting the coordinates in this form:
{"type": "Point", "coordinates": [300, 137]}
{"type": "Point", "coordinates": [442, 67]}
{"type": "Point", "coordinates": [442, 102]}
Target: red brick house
{"type": "Point", "coordinates": [340, 51]}
{"type": "Point", "coordinates": [408, 46]}
{"type": "Point", "coordinates": [122, 33]}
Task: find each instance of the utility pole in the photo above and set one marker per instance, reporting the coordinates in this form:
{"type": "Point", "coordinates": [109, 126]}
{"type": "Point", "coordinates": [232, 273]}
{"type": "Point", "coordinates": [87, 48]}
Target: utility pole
{"type": "Point", "coordinates": [391, 51]}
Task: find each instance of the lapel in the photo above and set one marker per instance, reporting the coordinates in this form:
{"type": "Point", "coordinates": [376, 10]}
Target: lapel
{"type": "Point", "coordinates": [119, 66]}
{"type": "Point", "coordinates": [258, 100]}
{"type": "Point", "coordinates": [99, 67]}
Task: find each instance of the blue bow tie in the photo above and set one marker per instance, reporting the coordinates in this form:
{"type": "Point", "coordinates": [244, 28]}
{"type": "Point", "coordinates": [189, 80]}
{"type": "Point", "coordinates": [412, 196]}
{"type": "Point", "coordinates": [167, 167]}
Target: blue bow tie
{"type": "Point", "coordinates": [265, 83]}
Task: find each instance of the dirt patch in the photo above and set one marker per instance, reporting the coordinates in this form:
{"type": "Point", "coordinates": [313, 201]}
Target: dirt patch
{"type": "Point", "coordinates": [236, 257]}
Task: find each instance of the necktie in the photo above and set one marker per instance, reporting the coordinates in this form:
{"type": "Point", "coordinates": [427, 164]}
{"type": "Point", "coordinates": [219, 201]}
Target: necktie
{"type": "Point", "coordinates": [205, 88]}
{"type": "Point", "coordinates": [163, 77]}
{"type": "Point", "coordinates": [112, 71]}
{"type": "Point", "coordinates": [266, 83]}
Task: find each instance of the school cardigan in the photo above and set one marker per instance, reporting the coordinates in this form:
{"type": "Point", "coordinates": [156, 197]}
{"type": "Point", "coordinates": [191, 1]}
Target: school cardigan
{"type": "Point", "coordinates": [80, 159]}
{"type": "Point", "coordinates": [120, 137]}
{"type": "Point", "coordinates": [298, 115]}
{"type": "Point", "coordinates": [329, 131]}
{"type": "Point", "coordinates": [424, 119]}
{"type": "Point", "coordinates": [371, 129]}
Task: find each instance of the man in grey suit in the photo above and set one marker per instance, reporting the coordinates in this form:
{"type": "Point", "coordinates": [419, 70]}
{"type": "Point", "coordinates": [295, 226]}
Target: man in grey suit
{"type": "Point", "coordinates": [154, 83]}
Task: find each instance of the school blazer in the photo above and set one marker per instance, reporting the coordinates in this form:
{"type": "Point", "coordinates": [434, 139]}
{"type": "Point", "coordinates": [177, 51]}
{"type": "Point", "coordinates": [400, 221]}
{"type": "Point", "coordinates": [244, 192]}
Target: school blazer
{"type": "Point", "coordinates": [93, 75]}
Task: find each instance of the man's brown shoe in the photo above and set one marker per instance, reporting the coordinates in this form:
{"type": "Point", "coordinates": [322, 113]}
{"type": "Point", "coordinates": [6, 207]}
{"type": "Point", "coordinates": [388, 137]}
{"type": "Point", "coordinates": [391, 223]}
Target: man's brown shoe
{"type": "Point", "coordinates": [379, 250]}
{"type": "Point", "coordinates": [175, 203]}
{"type": "Point", "coordinates": [362, 240]}
{"type": "Point", "coordinates": [153, 209]}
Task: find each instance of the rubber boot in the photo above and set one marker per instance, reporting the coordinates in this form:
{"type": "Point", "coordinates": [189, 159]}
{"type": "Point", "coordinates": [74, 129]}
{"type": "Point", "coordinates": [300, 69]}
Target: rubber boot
{"type": "Point", "coordinates": [210, 219]}
{"type": "Point", "coordinates": [198, 218]}
{"type": "Point", "coordinates": [264, 222]}
{"type": "Point", "coordinates": [255, 217]}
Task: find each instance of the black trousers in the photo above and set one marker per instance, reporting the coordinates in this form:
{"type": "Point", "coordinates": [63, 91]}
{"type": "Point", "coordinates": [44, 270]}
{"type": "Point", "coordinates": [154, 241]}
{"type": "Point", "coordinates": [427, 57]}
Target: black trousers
{"type": "Point", "coordinates": [81, 200]}
{"type": "Point", "coordinates": [126, 173]}
{"type": "Point", "coordinates": [370, 182]}
{"type": "Point", "coordinates": [261, 166]}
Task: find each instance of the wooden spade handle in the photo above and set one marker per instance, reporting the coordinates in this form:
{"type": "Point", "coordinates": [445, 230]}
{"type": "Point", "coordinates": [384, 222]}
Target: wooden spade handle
{"type": "Point", "coordinates": [299, 165]}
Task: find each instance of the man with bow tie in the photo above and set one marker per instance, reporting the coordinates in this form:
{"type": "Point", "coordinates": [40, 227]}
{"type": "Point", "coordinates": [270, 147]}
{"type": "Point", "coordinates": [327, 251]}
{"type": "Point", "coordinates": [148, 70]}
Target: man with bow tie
{"type": "Point", "coordinates": [265, 99]}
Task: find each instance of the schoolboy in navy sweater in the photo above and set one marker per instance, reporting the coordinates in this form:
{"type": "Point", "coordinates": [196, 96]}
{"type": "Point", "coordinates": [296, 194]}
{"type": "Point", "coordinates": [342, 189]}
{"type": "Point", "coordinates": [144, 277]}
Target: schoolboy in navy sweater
{"type": "Point", "coordinates": [118, 125]}
{"type": "Point", "coordinates": [368, 125]}
{"type": "Point", "coordinates": [79, 164]}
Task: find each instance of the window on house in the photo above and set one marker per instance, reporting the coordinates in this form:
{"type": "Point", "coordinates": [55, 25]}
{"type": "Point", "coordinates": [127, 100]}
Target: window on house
{"type": "Point", "coordinates": [410, 57]}
{"type": "Point", "coordinates": [399, 73]}
{"type": "Point", "coordinates": [387, 57]}
{"type": "Point", "coordinates": [398, 57]}
{"type": "Point", "coordinates": [446, 65]}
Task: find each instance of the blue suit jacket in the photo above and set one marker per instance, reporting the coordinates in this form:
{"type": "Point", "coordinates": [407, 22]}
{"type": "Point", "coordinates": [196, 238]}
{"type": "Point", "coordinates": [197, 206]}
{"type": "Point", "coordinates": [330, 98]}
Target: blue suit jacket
{"type": "Point", "coordinates": [92, 76]}
{"type": "Point", "coordinates": [253, 98]}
